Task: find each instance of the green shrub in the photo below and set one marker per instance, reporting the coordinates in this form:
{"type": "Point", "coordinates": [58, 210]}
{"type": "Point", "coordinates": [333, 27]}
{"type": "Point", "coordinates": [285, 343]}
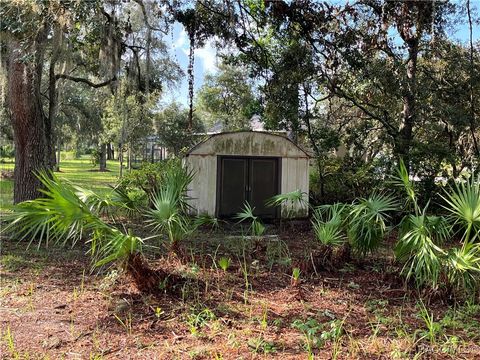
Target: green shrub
{"type": "Point", "coordinates": [169, 213]}
{"type": "Point", "coordinates": [367, 225]}
{"type": "Point", "coordinates": [256, 226]}
{"type": "Point", "coordinates": [328, 224]}
{"type": "Point", "coordinates": [149, 176]}
{"type": "Point", "coordinates": [421, 236]}
{"type": "Point", "coordinates": [7, 151]}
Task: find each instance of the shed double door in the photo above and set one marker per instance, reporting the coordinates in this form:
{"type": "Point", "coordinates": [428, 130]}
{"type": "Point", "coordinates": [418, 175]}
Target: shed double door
{"type": "Point", "coordinates": [244, 179]}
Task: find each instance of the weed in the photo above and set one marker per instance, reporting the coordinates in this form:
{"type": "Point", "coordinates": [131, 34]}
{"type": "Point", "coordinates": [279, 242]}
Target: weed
{"type": "Point", "coordinates": [244, 267]}
{"type": "Point", "coordinates": [376, 305]}
{"type": "Point", "coordinates": [353, 285]}
{"type": "Point", "coordinates": [277, 323]}
{"type": "Point", "coordinates": [277, 253]}
{"type": "Point", "coordinates": [13, 263]}
{"type": "Point", "coordinates": [30, 294]}
{"type": "Point", "coordinates": [295, 276]}
{"type": "Point", "coordinates": [126, 323]}
{"type": "Point", "coordinates": [260, 346]}
{"type": "Point", "coordinates": [198, 319]}
{"type": "Point", "coordinates": [334, 331]}
{"type": "Point", "coordinates": [95, 356]}
{"type": "Point", "coordinates": [264, 322]}
{"type": "Point", "coordinates": [224, 263]}
{"type": "Point", "coordinates": [451, 345]}
{"type": "Point", "coordinates": [109, 281]}
{"type": "Point", "coordinates": [464, 318]}
{"type": "Point", "coordinates": [433, 329]}
{"type": "Point", "coordinates": [159, 312]}
{"type": "Point", "coordinates": [310, 330]}
{"type": "Point", "coordinates": [10, 343]}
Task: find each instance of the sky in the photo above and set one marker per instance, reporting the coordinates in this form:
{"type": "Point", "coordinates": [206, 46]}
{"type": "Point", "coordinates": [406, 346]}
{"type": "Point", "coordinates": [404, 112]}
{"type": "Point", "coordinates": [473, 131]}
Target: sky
{"type": "Point", "coordinates": [206, 57]}
{"type": "Point", "coordinates": [205, 62]}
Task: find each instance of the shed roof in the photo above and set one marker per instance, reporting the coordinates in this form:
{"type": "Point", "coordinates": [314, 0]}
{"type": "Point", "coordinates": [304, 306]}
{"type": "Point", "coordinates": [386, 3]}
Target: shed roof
{"type": "Point", "coordinates": [248, 143]}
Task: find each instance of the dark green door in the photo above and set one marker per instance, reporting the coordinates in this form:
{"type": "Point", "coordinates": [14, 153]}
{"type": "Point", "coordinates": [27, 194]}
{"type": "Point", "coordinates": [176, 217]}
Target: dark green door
{"type": "Point", "coordinates": [247, 179]}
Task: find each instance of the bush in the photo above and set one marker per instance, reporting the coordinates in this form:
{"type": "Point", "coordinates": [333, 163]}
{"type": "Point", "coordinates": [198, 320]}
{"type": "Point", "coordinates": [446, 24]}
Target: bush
{"type": "Point", "coordinates": [149, 176]}
{"type": "Point", "coordinates": [344, 180]}
{"type": "Point", "coordinates": [7, 151]}
{"type": "Point", "coordinates": [421, 236]}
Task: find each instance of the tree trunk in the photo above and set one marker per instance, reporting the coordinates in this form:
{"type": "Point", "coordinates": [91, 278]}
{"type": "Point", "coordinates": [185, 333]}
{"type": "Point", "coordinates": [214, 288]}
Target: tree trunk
{"type": "Point", "coordinates": [411, 38]}
{"type": "Point", "coordinates": [110, 152]}
{"type": "Point", "coordinates": [102, 157]}
{"type": "Point", "coordinates": [52, 96]}
{"type": "Point", "coordinates": [129, 158]}
{"type": "Point", "coordinates": [59, 149]}
{"type": "Point", "coordinates": [146, 279]}
{"type": "Point", "coordinates": [120, 159]}
{"type": "Point", "coordinates": [27, 122]}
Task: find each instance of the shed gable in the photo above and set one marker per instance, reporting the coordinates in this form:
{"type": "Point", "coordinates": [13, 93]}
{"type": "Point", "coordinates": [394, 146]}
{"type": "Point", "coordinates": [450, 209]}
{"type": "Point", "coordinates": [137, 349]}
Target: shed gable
{"type": "Point", "coordinates": [248, 143]}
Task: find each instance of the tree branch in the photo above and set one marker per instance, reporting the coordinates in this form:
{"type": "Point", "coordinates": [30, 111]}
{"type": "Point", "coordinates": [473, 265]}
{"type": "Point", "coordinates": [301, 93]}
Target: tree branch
{"type": "Point", "coordinates": [145, 17]}
{"type": "Point", "coordinates": [85, 81]}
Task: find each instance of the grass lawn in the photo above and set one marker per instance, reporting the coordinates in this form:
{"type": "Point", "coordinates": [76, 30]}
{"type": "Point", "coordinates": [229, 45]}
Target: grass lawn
{"type": "Point", "coordinates": [78, 171]}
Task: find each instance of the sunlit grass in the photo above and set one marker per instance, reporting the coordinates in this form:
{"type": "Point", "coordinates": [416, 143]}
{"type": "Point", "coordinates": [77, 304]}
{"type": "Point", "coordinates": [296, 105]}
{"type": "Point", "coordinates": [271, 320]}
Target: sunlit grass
{"type": "Point", "coordinates": [78, 171]}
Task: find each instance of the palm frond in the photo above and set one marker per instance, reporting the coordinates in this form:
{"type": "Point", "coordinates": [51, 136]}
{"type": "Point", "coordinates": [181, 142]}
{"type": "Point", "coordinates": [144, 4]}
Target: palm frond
{"type": "Point", "coordinates": [463, 204]}
{"type": "Point", "coordinates": [463, 266]}
{"type": "Point", "coordinates": [116, 246]}
{"type": "Point", "coordinates": [402, 180]}
{"type": "Point", "coordinates": [206, 219]}
{"type": "Point", "coordinates": [418, 249]}
{"type": "Point", "coordinates": [256, 226]}
{"type": "Point", "coordinates": [167, 217]}
{"type": "Point", "coordinates": [59, 216]}
{"type": "Point", "coordinates": [66, 214]}
{"type": "Point", "coordinates": [327, 224]}
{"type": "Point", "coordinates": [368, 221]}
{"type": "Point", "coordinates": [293, 197]}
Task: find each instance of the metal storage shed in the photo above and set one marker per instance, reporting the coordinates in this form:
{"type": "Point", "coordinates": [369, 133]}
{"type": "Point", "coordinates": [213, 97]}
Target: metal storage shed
{"type": "Point", "coordinates": [231, 168]}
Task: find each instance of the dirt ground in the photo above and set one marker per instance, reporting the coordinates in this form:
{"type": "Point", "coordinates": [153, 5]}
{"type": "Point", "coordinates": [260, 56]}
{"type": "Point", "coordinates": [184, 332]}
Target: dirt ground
{"type": "Point", "coordinates": [52, 307]}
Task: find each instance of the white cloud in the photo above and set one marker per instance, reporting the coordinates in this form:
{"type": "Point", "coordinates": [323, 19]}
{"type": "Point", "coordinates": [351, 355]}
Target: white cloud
{"type": "Point", "coordinates": [181, 41]}
{"type": "Point", "coordinates": [208, 55]}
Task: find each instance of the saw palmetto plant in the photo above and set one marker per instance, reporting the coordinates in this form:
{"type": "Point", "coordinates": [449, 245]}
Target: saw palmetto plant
{"type": "Point", "coordinates": [418, 247]}
{"type": "Point", "coordinates": [169, 213]}
{"type": "Point", "coordinates": [256, 226]}
{"type": "Point", "coordinates": [62, 216]}
{"type": "Point", "coordinates": [463, 204]}
{"type": "Point", "coordinates": [367, 221]}
{"type": "Point", "coordinates": [421, 237]}
{"type": "Point", "coordinates": [328, 224]}
{"type": "Point", "coordinates": [289, 201]}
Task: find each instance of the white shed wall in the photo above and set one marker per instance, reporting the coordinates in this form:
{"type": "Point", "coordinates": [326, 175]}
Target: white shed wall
{"type": "Point", "coordinates": [295, 176]}
{"type": "Point", "coordinates": [203, 189]}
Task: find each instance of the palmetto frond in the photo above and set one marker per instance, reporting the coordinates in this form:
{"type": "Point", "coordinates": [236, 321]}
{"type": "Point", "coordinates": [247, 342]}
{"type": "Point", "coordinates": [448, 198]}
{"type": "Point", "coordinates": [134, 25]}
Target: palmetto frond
{"type": "Point", "coordinates": [59, 216]}
{"type": "Point", "coordinates": [116, 245]}
{"type": "Point", "coordinates": [417, 247]}
{"type": "Point", "coordinates": [463, 204]}
{"type": "Point", "coordinates": [403, 181]}
{"type": "Point", "coordinates": [170, 207]}
{"type": "Point", "coordinates": [256, 226]}
{"type": "Point", "coordinates": [367, 221]}
{"type": "Point", "coordinates": [463, 266]}
{"type": "Point", "coordinates": [62, 216]}
{"type": "Point", "coordinates": [293, 197]}
{"type": "Point", "coordinates": [166, 215]}
{"type": "Point", "coordinates": [327, 224]}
